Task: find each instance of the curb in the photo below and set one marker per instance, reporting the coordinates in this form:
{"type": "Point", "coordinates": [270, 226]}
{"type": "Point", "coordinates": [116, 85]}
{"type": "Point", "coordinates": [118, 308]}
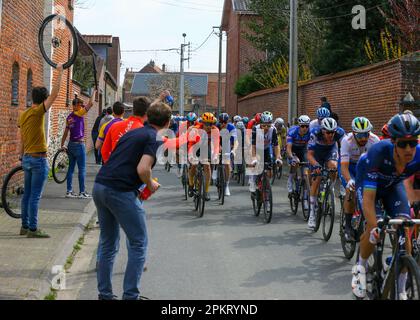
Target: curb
{"type": "Point", "coordinates": [63, 251]}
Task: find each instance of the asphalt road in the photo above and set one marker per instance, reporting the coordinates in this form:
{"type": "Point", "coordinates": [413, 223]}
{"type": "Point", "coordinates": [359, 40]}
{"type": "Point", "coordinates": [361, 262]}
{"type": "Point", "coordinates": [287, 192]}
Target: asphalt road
{"type": "Point", "coordinates": [227, 254]}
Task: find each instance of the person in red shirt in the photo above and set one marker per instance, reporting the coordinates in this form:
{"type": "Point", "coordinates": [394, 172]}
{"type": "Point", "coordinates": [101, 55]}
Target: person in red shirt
{"type": "Point", "coordinates": [208, 125]}
{"type": "Point", "coordinates": [117, 130]}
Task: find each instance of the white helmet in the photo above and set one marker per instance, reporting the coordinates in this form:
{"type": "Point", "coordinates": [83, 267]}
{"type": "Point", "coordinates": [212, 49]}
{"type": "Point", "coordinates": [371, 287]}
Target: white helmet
{"type": "Point", "coordinates": [240, 125]}
{"type": "Point", "coordinates": [304, 120]}
{"type": "Point", "coordinates": [329, 124]}
{"type": "Point", "coordinates": [279, 121]}
{"type": "Point", "coordinates": [237, 118]}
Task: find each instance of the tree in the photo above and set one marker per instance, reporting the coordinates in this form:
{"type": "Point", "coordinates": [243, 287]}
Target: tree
{"type": "Point", "coordinates": [168, 82]}
{"type": "Point", "coordinates": [83, 72]}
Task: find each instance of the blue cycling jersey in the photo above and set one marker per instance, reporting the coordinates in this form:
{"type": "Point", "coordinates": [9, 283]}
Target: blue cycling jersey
{"type": "Point", "coordinates": [318, 144]}
{"type": "Point", "coordinates": [231, 128]}
{"type": "Point", "coordinates": [298, 142]}
{"type": "Point", "coordinates": [376, 169]}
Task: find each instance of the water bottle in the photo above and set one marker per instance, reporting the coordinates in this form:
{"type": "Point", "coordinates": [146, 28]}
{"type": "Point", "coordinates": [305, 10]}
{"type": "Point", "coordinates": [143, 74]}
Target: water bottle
{"type": "Point", "coordinates": [322, 193]}
{"type": "Point", "coordinates": [144, 192]}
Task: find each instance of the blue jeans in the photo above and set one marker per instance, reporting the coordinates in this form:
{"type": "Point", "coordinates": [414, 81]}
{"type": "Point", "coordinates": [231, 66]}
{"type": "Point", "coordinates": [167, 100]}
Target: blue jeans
{"type": "Point", "coordinates": [115, 209]}
{"type": "Point", "coordinates": [36, 174]}
{"type": "Point", "coordinates": [77, 154]}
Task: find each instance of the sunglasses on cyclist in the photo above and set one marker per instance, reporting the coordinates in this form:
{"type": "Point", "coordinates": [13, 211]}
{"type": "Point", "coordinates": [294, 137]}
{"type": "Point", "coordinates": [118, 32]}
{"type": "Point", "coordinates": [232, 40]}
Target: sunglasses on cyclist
{"type": "Point", "coordinates": [362, 135]}
{"type": "Point", "coordinates": [304, 126]}
{"type": "Point", "coordinates": [265, 126]}
{"type": "Point", "coordinates": [330, 132]}
{"type": "Point", "coordinates": [404, 144]}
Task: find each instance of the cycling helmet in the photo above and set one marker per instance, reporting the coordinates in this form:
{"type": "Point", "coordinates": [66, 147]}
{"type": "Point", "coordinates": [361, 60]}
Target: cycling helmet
{"type": "Point", "coordinates": [245, 120]}
{"type": "Point", "coordinates": [279, 121]}
{"type": "Point", "coordinates": [267, 117]}
{"type": "Point", "coordinates": [237, 118]}
{"type": "Point", "coordinates": [240, 125]}
{"type": "Point", "coordinates": [258, 118]}
{"type": "Point", "coordinates": [385, 132]}
{"type": "Point", "coordinates": [329, 124]}
{"type": "Point", "coordinates": [208, 117]}
{"type": "Point", "coordinates": [404, 126]}
{"type": "Point", "coordinates": [191, 117]}
{"type": "Point", "coordinates": [323, 113]}
{"type": "Point", "coordinates": [361, 125]}
{"type": "Point", "coordinates": [223, 117]}
{"type": "Point", "coordinates": [304, 120]}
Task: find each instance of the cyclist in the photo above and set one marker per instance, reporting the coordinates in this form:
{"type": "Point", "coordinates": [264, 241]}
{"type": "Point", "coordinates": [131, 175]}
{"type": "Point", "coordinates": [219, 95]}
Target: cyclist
{"type": "Point", "coordinates": [380, 176]}
{"type": "Point", "coordinates": [323, 150]}
{"type": "Point", "coordinates": [224, 124]}
{"type": "Point", "coordinates": [236, 119]}
{"type": "Point", "coordinates": [297, 144]}
{"type": "Point", "coordinates": [321, 113]}
{"type": "Point", "coordinates": [281, 132]}
{"type": "Point", "coordinates": [245, 121]}
{"type": "Point", "coordinates": [208, 121]}
{"type": "Point", "coordinates": [352, 147]}
{"type": "Point", "coordinates": [271, 145]}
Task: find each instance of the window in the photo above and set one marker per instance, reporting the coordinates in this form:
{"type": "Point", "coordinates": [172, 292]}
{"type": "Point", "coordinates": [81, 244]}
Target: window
{"type": "Point", "coordinates": [15, 84]}
{"type": "Point", "coordinates": [29, 89]}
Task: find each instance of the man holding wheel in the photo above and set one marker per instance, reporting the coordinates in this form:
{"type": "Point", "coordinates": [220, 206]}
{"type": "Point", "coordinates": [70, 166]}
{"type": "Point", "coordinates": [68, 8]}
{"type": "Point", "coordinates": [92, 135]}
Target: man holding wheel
{"type": "Point", "coordinates": [34, 155]}
{"type": "Point", "coordinates": [75, 124]}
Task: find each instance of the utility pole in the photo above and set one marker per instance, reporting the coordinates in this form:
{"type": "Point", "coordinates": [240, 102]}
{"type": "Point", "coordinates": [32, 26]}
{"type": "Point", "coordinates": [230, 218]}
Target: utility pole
{"type": "Point", "coordinates": [219, 89]}
{"type": "Point", "coordinates": [182, 77]}
{"type": "Point", "coordinates": [293, 61]}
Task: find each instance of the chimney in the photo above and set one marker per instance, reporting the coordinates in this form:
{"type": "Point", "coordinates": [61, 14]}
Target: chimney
{"type": "Point", "coordinates": [164, 67]}
{"type": "Point", "coordinates": [152, 63]}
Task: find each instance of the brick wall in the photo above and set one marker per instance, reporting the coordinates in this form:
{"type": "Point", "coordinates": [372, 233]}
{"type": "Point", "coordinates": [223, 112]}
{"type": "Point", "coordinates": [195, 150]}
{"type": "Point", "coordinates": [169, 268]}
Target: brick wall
{"type": "Point", "coordinates": [373, 91]}
{"type": "Point", "coordinates": [240, 53]}
{"type": "Point", "coordinates": [19, 43]}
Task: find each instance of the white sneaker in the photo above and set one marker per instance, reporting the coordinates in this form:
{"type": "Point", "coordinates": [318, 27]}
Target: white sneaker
{"type": "Point", "coordinates": [403, 296]}
{"type": "Point", "coordinates": [358, 283]}
{"type": "Point", "coordinates": [311, 222]}
{"type": "Point", "coordinates": [71, 195]}
{"type": "Point", "coordinates": [84, 195]}
{"type": "Point", "coordinates": [227, 192]}
{"type": "Point", "coordinates": [252, 187]}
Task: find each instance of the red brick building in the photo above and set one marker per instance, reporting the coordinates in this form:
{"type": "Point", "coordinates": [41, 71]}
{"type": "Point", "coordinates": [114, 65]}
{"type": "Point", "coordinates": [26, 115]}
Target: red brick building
{"type": "Point", "coordinates": [22, 68]}
{"type": "Point", "coordinates": [239, 52]}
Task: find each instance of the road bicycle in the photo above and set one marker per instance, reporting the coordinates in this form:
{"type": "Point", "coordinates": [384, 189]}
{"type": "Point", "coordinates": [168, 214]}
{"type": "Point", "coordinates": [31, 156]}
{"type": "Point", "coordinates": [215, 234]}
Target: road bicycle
{"type": "Point", "coordinates": [326, 203]}
{"type": "Point", "coordinates": [12, 192]}
{"type": "Point", "coordinates": [301, 191]}
{"type": "Point", "coordinates": [184, 180]}
{"type": "Point", "coordinates": [263, 196]}
{"type": "Point", "coordinates": [382, 274]}
{"type": "Point", "coordinates": [199, 190]}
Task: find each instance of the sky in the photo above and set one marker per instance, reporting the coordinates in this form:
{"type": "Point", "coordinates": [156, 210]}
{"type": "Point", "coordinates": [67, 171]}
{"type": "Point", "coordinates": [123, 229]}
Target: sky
{"type": "Point", "coordinates": [157, 24]}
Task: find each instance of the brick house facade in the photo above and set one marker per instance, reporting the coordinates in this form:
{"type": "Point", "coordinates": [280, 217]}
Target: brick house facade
{"type": "Point", "coordinates": [239, 52]}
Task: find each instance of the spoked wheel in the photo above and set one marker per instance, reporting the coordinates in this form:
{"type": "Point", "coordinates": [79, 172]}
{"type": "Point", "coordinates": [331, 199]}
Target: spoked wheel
{"type": "Point", "coordinates": [294, 197]}
{"type": "Point", "coordinates": [256, 203]}
{"type": "Point", "coordinates": [279, 172]}
{"type": "Point", "coordinates": [306, 202]}
{"type": "Point", "coordinates": [221, 184]}
{"type": "Point", "coordinates": [197, 197]}
{"type": "Point", "coordinates": [349, 247]}
{"type": "Point", "coordinates": [267, 198]}
{"type": "Point", "coordinates": [413, 280]}
{"type": "Point", "coordinates": [202, 193]}
{"type": "Point", "coordinates": [58, 41]}
{"type": "Point", "coordinates": [12, 192]}
{"type": "Point", "coordinates": [274, 172]}
{"type": "Point", "coordinates": [185, 181]}
{"type": "Point", "coordinates": [60, 166]}
{"type": "Point", "coordinates": [329, 215]}
{"type": "Point", "coordinates": [319, 213]}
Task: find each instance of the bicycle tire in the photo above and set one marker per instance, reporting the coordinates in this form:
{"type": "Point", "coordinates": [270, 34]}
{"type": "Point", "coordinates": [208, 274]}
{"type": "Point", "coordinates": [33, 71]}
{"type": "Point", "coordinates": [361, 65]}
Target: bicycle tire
{"type": "Point", "coordinates": [349, 247]}
{"type": "Point", "coordinates": [221, 184]}
{"type": "Point", "coordinates": [185, 181]}
{"type": "Point", "coordinates": [60, 166]}
{"type": "Point", "coordinates": [274, 174]}
{"type": "Point", "coordinates": [305, 187]}
{"type": "Point", "coordinates": [267, 198]}
{"type": "Point", "coordinates": [279, 172]}
{"type": "Point", "coordinates": [329, 214]}
{"type": "Point", "coordinates": [413, 281]}
{"type": "Point", "coordinates": [318, 219]}
{"type": "Point", "coordinates": [202, 196]}
{"type": "Point", "coordinates": [196, 192]}
{"type": "Point", "coordinates": [75, 42]}
{"type": "Point", "coordinates": [13, 208]}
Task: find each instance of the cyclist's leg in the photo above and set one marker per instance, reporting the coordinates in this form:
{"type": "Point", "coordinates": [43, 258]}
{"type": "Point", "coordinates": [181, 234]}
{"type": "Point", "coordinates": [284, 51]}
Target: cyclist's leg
{"type": "Point", "coordinates": [269, 158]}
{"type": "Point", "coordinates": [292, 174]}
{"type": "Point", "coordinates": [207, 174]}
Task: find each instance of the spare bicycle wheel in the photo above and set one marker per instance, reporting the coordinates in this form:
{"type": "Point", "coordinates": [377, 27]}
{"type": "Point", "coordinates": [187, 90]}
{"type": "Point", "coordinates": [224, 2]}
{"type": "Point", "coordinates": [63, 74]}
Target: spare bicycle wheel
{"type": "Point", "coordinates": [58, 41]}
